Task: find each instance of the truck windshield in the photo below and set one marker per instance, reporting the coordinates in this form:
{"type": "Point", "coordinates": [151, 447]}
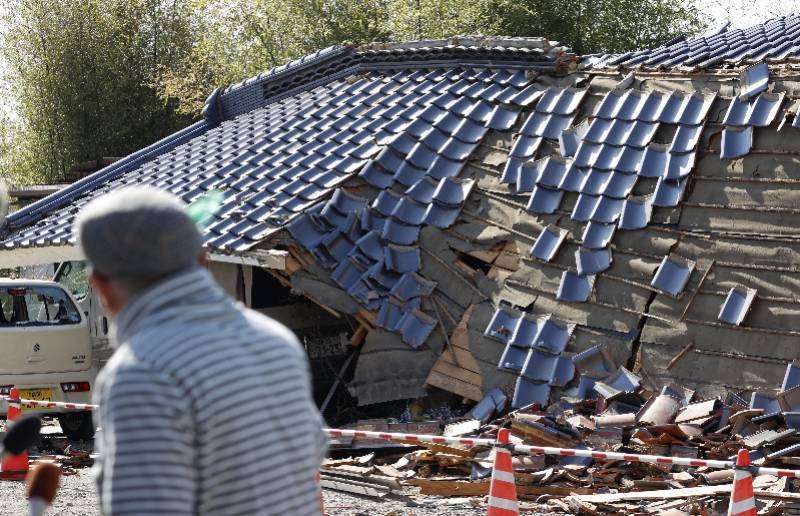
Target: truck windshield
{"type": "Point", "coordinates": [36, 306]}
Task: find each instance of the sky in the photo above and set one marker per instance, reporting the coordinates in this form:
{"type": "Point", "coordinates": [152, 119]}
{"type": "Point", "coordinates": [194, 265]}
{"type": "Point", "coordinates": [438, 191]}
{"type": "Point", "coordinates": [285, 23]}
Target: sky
{"type": "Point", "coordinates": [743, 13]}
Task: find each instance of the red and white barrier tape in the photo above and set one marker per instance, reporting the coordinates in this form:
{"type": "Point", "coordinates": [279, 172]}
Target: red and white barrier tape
{"type": "Point", "coordinates": [52, 404]}
{"type": "Point", "coordinates": [562, 452]}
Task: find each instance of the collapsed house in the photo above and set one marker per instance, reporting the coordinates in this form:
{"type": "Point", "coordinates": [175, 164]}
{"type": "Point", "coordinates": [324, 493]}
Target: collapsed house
{"type": "Point", "coordinates": [498, 212]}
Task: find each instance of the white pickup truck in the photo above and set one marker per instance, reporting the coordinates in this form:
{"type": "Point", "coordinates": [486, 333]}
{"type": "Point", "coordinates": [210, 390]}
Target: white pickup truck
{"type": "Point", "coordinates": [46, 350]}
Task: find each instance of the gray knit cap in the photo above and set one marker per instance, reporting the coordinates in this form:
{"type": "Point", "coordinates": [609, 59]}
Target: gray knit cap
{"type": "Point", "coordinates": [139, 232]}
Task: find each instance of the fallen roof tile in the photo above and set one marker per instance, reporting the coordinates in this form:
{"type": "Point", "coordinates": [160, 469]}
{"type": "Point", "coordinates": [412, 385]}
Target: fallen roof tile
{"type": "Point", "coordinates": [503, 324]}
{"type": "Point", "coordinates": [415, 327]}
{"type": "Point", "coordinates": [401, 258]}
{"type": "Point", "coordinates": [736, 305]}
{"type": "Point", "coordinates": [753, 80]}
{"type": "Point", "coordinates": [597, 235]}
{"type": "Point", "coordinates": [592, 261]}
{"type": "Point", "coordinates": [527, 393]}
{"type": "Point", "coordinates": [673, 274]}
{"type": "Point", "coordinates": [544, 200]}
{"type": "Point", "coordinates": [574, 287]}
{"type": "Point", "coordinates": [636, 213]}
{"type": "Point", "coordinates": [548, 242]}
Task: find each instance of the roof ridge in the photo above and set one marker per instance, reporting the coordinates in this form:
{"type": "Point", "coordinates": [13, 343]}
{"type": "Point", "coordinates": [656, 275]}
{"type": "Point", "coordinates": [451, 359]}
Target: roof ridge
{"type": "Point", "coordinates": [257, 91]}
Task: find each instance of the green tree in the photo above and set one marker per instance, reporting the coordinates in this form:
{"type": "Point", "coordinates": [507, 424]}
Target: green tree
{"type": "Point", "coordinates": [594, 26]}
{"type": "Point", "coordinates": [81, 73]}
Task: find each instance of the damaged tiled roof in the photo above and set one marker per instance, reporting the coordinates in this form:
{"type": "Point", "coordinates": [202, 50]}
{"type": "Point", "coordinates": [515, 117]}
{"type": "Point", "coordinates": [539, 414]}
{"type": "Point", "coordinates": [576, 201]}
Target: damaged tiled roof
{"type": "Point", "coordinates": [280, 142]}
{"type": "Point", "coordinates": [550, 226]}
{"type": "Point", "coordinates": [775, 40]}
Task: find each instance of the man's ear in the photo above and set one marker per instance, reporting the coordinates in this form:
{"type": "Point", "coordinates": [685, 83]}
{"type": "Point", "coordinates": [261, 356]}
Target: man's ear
{"type": "Point", "coordinates": [109, 298]}
{"type": "Point", "coordinates": [202, 259]}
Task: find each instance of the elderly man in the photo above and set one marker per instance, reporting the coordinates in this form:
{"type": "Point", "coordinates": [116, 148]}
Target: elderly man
{"type": "Point", "coordinates": [205, 406]}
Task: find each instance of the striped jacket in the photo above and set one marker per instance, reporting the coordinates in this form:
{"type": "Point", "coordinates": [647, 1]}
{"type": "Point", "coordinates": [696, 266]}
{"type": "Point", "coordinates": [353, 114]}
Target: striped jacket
{"type": "Point", "coordinates": [205, 409]}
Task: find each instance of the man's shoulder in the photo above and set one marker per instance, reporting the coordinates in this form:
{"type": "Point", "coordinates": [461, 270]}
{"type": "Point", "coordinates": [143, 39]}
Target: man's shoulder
{"type": "Point", "coordinates": [268, 326]}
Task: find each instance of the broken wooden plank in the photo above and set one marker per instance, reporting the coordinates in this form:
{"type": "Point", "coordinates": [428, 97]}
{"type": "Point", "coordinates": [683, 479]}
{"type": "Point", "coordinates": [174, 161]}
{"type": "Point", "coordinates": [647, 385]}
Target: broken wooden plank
{"type": "Point", "coordinates": [456, 370]}
{"type": "Point", "coordinates": [353, 486]}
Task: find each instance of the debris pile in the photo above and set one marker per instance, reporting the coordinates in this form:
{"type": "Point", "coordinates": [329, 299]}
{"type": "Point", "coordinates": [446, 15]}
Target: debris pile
{"type": "Point", "coordinates": [613, 413]}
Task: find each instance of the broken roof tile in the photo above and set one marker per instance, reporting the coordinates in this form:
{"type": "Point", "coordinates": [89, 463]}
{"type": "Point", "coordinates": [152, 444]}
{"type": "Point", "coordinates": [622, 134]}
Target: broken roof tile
{"type": "Point", "coordinates": [596, 359]}
{"type": "Point", "coordinates": [563, 373]}
{"type": "Point", "coordinates": [398, 232]}
{"type": "Point", "coordinates": [737, 113]}
{"type": "Point", "coordinates": [695, 108]}
{"type": "Point", "coordinates": [595, 181]}
{"type": "Point", "coordinates": [502, 119]}
{"type": "Point", "coordinates": [415, 327]}
{"type": "Point", "coordinates": [570, 139]}
{"type": "Point", "coordinates": [685, 138]}
{"type": "Point", "coordinates": [597, 235]}
{"type": "Point", "coordinates": [409, 211]}
{"type": "Point", "coordinates": [791, 378]}
{"type": "Point", "coordinates": [525, 333]}
{"type": "Point", "coordinates": [654, 161]}
{"type": "Point", "coordinates": [668, 192]}
{"type": "Point", "coordinates": [636, 213]}
{"type": "Point", "coordinates": [592, 261]}
{"type": "Point", "coordinates": [736, 142]}
{"type": "Point", "coordinates": [370, 245]}
{"type": "Point", "coordinates": [544, 200]}
{"type": "Point", "coordinates": [765, 109]}
{"type": "Point", "coordinates": [736, 305]}
{"type": "Point", "coordinates": [607, 210]}
{"type": "Point", "coordinates": [453, 191]}
{"type": "Point", "coordinates": [619, 185]}
{"type": "Point", "coordinates": [503, 325]}
{"type": "Point", "coordinates": [528, 393]}
{"type": "Point", "coordinates": [412, 285]}
{"type": "Point", "coordinates": [421, 191]}
{"type": "Point", "coordinates": [584, 207]}
{"type": "Point", "coordinates": [574, 179]}
{"type": "Point", "coordinates": [622, 381]}
{"type": "Point", "coordinates": [539, 366]}
{"type": "Point", "coordinates": [513, 358]}
{"type": "Point", "coordinates": [386, 202]}
{"type": "Point", "coordinates": [389, 314]}
{"type": "Point", "coordinates": [441, 215]}
{"type": "Point", "coordinates": [401, 258]}
{"type": "Point", "coordinates": [548, 242]}
{"type": "Point", "coordinates": [307, 231]}
{"type": "Point", "coordinates": [525, 146]}
{"type": "Point", "coordinates": [552, 336]}
{"type": "Point", "coordinates": [550, 171]}
{"type": "Point", "coordinates": [560, 101]}
{"type": "Point", "coordinates": [574, 287]}
{"type": "Point", "coordinates": [753, 80]}
{"type": "Point", "coordinates": [673, 274]}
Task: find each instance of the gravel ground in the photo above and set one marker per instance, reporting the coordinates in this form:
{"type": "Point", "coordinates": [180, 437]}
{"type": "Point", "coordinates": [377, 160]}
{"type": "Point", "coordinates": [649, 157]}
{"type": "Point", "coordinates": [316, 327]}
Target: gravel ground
{"type": "Point", "coordinates": [76, 498]}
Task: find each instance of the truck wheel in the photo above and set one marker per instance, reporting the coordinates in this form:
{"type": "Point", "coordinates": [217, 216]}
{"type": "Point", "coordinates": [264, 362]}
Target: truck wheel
{"type": "Point", "coordinates": [77, 426]}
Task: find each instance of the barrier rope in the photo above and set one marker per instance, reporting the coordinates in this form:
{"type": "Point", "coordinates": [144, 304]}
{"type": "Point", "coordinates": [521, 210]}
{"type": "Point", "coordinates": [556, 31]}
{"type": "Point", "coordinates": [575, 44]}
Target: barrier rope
{"type": "Point", "coordinates": [52, 404]}
{"type": "Point", "coordinates": [562, 452]}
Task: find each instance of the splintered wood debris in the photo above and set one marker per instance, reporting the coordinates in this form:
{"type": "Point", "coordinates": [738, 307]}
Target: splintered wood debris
{"type": "Point", "coordinates": [684, 427]}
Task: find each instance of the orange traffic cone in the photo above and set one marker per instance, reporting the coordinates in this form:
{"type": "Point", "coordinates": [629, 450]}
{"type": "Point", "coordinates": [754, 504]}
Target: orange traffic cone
{"type": "Point", "coordinates": [502, 490]}
{"type": "Point", "coordinates": [742, 503]}
{"type": "Point", "coordinates": [14, 467]}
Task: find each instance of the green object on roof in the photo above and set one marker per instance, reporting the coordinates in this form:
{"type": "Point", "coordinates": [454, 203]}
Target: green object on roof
{"type": "Point", "coordinates": [203, 209]}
